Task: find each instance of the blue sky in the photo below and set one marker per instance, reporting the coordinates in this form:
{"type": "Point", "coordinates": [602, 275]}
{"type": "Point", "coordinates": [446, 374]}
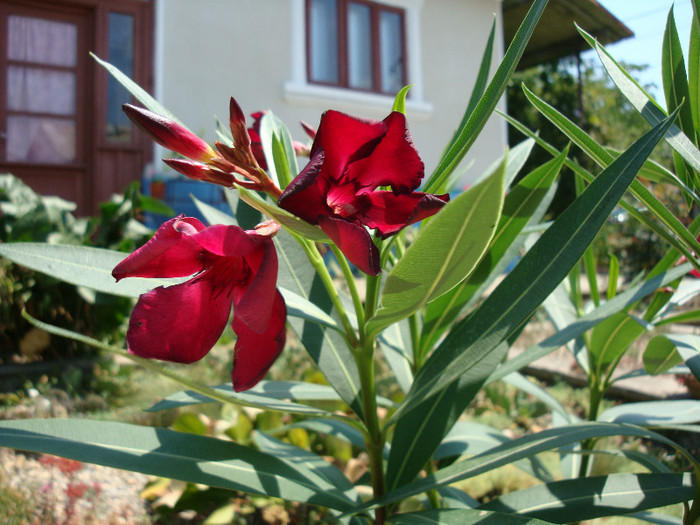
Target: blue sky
{"type": "Point", "coordinates": [648, 20]}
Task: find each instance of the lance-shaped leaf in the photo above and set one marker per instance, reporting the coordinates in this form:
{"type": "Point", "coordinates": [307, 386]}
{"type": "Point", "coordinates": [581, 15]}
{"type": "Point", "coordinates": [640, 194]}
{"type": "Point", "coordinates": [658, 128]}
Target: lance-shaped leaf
{"type": "Point", "coordinates": [520, 204]}
{"type": "Point", "coordinates": [176, 455]}
{"type": "Point", "coordinates": [694, 68]}
{"type": "Point", "coordinates": [665, 351]}
{"type": "Point", "coordinates": [326, 347]}
{"type": "Point", "coordinates": [654, 413]}
{"type": "Point", "coordinates": [610, 340]}
{"type": "Point", "coordinates": [520, 448]}
{"type": "Point", "coordinates": [461, 364]}
{"type": "Point", "coordinates": [445, 251]}
{"type": "Point", "coordinates": [641, 100]}
{"type": "Point", "coordinates": [595, 497]}
{"type": "Point", "coordinates": [462, 517]}
{"type": "Point", "coordinates": [469, 131]}
{"type": "Point", "coordinates": [278, 145]}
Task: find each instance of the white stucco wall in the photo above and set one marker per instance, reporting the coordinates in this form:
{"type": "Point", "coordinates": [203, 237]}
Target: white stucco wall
{"type": "Point", "coordinates": [209, 50]}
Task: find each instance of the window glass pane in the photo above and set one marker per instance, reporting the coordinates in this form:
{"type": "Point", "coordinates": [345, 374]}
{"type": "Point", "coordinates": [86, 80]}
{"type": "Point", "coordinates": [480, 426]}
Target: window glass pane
{"type": "Point", "coordinates": [40, 140]}
{"type": "Point", "coordinates": [359, 46]}
{"type": "Point", "coordinates": [121, 55]}
{"type": "Point", "coordinates": [42, 41]}
{"type": "Point", "coordinates": [323, 41]}
{"type": "Point", "coordinates": [39, 90]}
{"type": "Point", "coordinates": [391, 51]}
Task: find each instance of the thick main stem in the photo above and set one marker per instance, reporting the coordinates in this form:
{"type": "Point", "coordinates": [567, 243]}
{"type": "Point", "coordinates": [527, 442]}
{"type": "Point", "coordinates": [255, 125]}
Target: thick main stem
{"type": "Point", "coordinates": [364, 358]}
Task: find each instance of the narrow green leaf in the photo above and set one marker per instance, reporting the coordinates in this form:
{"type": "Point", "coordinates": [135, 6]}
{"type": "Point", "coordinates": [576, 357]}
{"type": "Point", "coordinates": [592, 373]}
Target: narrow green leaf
{"type": "Point", "coordinates": [462, 517]}
{"type": "Point", "coordinates": [654, 413]}
{"type": "Point", "coordinates": [464, 360]}
{"type": "Point", "coordinates": [400, 100]}
{"type": "Point", "coordinates": [665, 351]}
{"type": "Point", "coordinates": [694, 69]}
{"type": "Point", "coordinates": [674, 77]}
{"type": "Point", "coordinates": [245, 215]}
{"type": "Point", "coordinates": [613, 275]}
{"type": "Point", "coordinates": [590, 320]}
{"type": "Point", "coordinates": [637, 189]}
{"type": "Point", "coordinates": [326, 471]}
{"type": "Point", "coordinates": [162, 452]}
{"type": "Point", "coordinates": [326, 347]}
{"type": "Point", "coordinates": [267, 395]}
{"type": "Point", "coordinates": [444, 253]}
{"type": "Point", "coordinates": [332, 427]}
{"type": "Point", "coordinates": [288, 221]}
{"type": "Point", "coordinates": [595, 497]}
{"type": "Point", "coordinates": [610, 340]}
{"type": "Point", "coordinates": [601, 157]}
{"type": "Point", "coordinates": [279, 149]}
{"type": "Point", "coordinates": [520, 448]}
{"type": "Point", "coordinates": [520, 205]}
{"type": "Point", "coordinates": [137, 91]}
{"type": "Point", "coordinates": [468, 133]}
{"type": "Point", "coordinates": [645, 104]}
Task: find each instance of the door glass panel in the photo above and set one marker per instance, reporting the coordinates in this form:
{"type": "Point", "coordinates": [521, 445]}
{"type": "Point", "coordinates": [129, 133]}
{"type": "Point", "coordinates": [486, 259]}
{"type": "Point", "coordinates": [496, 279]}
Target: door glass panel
{"type": "Point", "coordinates": [40, 140]}
{"type": "Point", "coordinates": [323, 41]}
{"type": "Point", "coordinates": [40, 90]}
{"type": "Point", "coordinates": [391, 37]}
{"type": "Point", "coordinates": [42, 41]}
{"type": "Point", "coordinates": [359, 46]}
{"type": "Point", "coordinates": [121, 55]}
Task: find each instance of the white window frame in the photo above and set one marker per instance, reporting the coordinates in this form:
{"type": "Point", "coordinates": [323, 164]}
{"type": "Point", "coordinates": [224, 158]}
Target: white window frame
{"type": "Point", "coordinates": [299, 90]}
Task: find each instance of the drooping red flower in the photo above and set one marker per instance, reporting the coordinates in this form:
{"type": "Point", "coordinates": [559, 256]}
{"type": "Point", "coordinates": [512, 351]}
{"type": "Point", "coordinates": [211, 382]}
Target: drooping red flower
{"type": "Point", "coordinates": [230, 266]}
{"type": "Point", "coordinates": [337, 190]}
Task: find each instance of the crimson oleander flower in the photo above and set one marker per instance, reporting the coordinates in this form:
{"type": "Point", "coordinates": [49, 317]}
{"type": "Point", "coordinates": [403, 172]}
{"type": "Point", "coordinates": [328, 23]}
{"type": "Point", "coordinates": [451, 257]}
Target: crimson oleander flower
{"type": "Point", "coordinates": [338, 188]}
{"type": "Point", "coordinates": [230, 266]}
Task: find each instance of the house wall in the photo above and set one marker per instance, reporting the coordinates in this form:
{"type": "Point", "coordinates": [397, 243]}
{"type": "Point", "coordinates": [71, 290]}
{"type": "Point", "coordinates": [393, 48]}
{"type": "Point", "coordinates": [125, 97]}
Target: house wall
{"type": "Point", "coordinates": [254, 50]}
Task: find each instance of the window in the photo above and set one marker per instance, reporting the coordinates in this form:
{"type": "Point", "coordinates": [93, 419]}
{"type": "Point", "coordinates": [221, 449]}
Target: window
{"type": "Point", "coordinates": [120, 41]}
{"type": "Point", "coordinates": [355, 44]}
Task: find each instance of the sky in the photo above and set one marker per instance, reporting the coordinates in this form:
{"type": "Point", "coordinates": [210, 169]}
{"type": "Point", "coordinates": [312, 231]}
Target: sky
{"type": "Point", "coordinates": [647, 19]}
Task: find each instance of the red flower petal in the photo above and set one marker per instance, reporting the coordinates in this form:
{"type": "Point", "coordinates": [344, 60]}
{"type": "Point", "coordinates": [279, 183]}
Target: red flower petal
{"type": "Point", "coordinates": [170, 253]}
{"type": "Point", "coordinates": [178, 323]}
{"type": "Point", "coordinates": [354, 241]}
{"type": "Point", "coordinates": [342, 138]}
{"type": "Point", "coordinates": [389, 213]}
{"type": "Point", "coordinates": [253, 307]}
{"type": "Point", "coordinates": [226, 241]}
{"type": "Point", "coordinates": [305, 196]}
{"type": "Point", "coordinates": [255, 352]}
{"type": "Point", "coordinates": [394, 162]}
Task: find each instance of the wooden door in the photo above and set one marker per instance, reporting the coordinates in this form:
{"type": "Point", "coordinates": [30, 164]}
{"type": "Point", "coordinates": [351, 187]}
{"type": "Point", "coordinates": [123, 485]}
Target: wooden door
{"type": "Point", "coordinates": [60, 127]}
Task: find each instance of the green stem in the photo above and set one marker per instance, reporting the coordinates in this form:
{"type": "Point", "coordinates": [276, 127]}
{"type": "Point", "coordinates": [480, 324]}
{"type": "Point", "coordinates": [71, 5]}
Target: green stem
{"type": "Point", "coordinates": [418, 353]}
{"type": "Point", "coordinates": [596, 397]}
{"type": "Point", "coordinates": [692, 516]}
{"type": "Point", "coordinates": [319, 265]}
{"type": "Point", "coordinates": [371, 295]}
{"type": "Point", "coordinates": [433, 495]}
{"type": "Point", "coordinates": [374, 440]}
{"type": "Point", "coordinates": [350, 280]}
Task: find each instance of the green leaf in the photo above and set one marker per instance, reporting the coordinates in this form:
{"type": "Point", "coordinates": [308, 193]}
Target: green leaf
{"type": "Point", "coordinates": [461, 517]}
{"type": "Point", "coordinates": [308, 461]}
{"type": "Point", "coordinates": [137, 91]}
{"type": "Point", "coordinates": [267, 395]}
{"type": "Point", "coordinates": [245, 215]}
{"type": "Point", "coordinates": [327, 348]}
{"type": "Point", "coordinates": [663, 352]}
{"type": "Point", "coordinates": [400, 100]}
{"type": "Point", "coordinates": [694, 69]}
{"type": "Point", "coordinates": [654, 413]}
{"type": "Point", "coordinates": [644, 196]}
{"type": "Point", "coordinates": [674, 76]}
{"type": "Point", "coordinates": [464, 360]}
{"type": "Point", "coordinates": [603, 158]}
{"type": "Point", "coordinates": [290, 222]}
{"type": "Point", "coordinates": [610, 340]}
{"type": "Point", "coordinates": [521, 203]}
{"type": "Point", "coordinates": [279, 150]}
{"type": "Point", "coordinates": [588, 321]}
{"type": "Point", "coordinates": [338, 429]}
{"type": "Point", "coordinates": [595, 497]}
{"type": "Point", "coordinates": [161, 452]}
{"type": "Point", "coordinates": [469, 131]}
{"type": "Point", "coordinates": [613, 275]}
{"type": "Point", "coordinates": [645, 104]}
{"type": "Point", "coordinates": [520, 448]}
{"type": "Point", "coordinates": [445, 251]}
